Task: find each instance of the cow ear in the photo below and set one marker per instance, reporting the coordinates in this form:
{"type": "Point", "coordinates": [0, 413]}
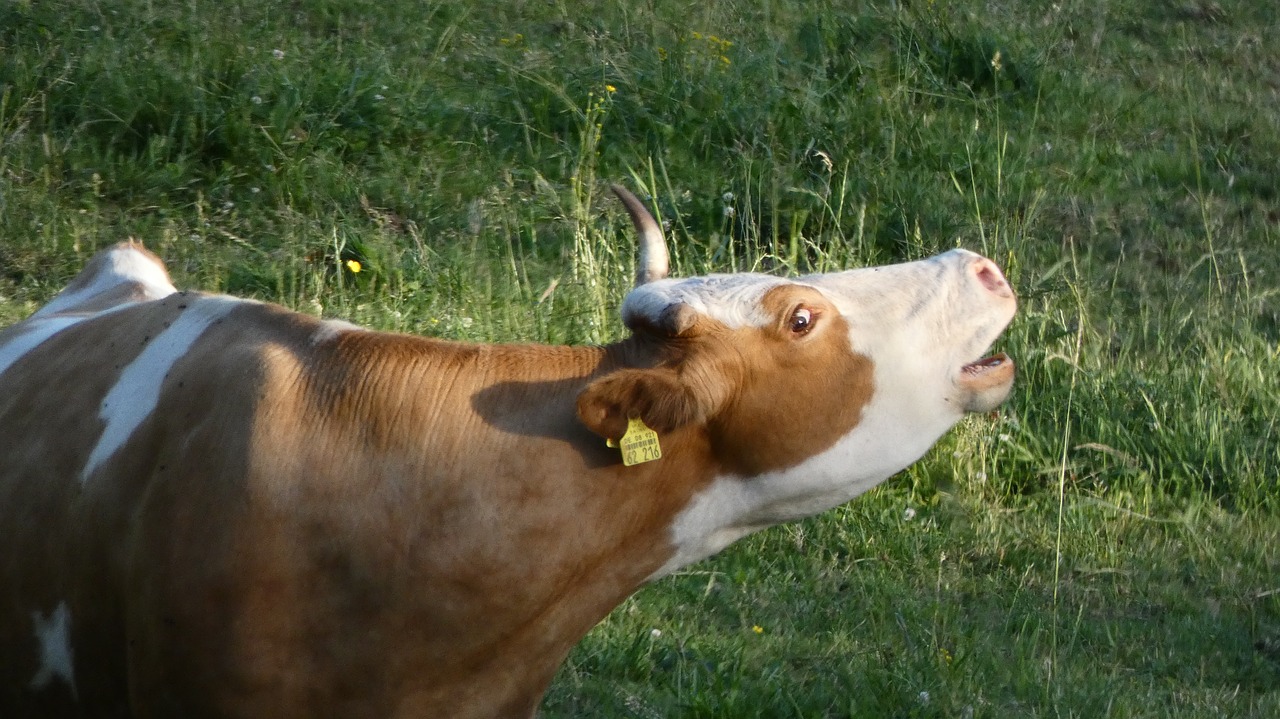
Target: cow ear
{"type": "Point", "coordinates": [656, 396]}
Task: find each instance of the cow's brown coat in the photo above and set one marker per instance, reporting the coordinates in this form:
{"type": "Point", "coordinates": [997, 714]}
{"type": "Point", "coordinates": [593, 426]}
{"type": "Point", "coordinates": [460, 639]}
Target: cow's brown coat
{"type": "Point", "coordinates": [300, 519]}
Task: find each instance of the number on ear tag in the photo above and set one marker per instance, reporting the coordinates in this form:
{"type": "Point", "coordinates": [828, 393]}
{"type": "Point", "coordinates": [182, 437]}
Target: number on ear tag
{"type": "Point", "coordinates": [639, 443]}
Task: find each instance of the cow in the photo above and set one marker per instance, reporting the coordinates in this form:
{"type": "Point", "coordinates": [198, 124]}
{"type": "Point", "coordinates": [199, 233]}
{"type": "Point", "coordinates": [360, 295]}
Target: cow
{"type": "Point", "coordinates": [219, 507]}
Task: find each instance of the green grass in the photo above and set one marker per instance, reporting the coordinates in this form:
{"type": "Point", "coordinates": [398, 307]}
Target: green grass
{"type": "Point", "coordinates": [1105, 545]}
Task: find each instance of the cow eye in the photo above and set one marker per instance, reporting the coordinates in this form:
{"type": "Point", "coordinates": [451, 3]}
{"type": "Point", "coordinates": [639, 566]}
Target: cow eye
{"type": "Point", "coordinates": [801, 321]}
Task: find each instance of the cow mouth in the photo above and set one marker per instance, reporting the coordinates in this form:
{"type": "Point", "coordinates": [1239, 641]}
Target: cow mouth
{"type": "Point", "coordinates": [986, 382]}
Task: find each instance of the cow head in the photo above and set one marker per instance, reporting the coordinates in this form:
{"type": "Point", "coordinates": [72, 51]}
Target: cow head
{"type": "Point", "coordinates": [809, 390]}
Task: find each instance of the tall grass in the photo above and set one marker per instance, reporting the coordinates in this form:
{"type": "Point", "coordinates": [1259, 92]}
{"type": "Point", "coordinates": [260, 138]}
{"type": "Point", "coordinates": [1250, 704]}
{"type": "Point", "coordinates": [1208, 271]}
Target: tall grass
{"type": "Point", "coordinates": [1105, 545]}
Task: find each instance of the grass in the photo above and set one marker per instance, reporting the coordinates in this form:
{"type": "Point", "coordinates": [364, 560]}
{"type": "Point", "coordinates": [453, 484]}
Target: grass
{"type": "Point", "coordinates": [1105, 545]}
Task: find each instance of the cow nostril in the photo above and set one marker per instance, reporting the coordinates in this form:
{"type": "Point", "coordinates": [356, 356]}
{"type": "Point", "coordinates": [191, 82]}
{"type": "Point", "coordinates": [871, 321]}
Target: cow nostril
{"type": "Point", "coordinates": [989, 275]}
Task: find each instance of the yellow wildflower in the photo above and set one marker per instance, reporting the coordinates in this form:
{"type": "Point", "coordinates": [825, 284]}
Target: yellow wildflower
{"type": "Point", "coordinates": [757, 629]}
{"type": "Point", "coordinates": [354, 266]}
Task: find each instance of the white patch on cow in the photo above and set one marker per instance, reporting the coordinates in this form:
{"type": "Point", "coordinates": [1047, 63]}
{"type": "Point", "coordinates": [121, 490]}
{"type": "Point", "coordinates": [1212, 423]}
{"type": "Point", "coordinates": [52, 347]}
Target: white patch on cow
{"type": "Point", "coordinates": [56, 654]}
{"type": "Point", "coordinates": [137, 391]}
{"type": "Point", "coordinates": [733, 300]}
{"type": "Point", "coordinates": [332, 329]}
{"type": "Point", "coordinates": [891, 435]}
{"type": "Point", "coordinates": [122, 265]}
{"type": "Point", "coordinates": [35, 332]}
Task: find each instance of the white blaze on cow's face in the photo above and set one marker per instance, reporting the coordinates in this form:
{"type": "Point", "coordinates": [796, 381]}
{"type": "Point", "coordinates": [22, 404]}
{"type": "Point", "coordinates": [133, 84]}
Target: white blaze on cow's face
{"type": "Point", "coordinates": [920, 329]}
{"type": "Point", "coordinates": [925, 326]}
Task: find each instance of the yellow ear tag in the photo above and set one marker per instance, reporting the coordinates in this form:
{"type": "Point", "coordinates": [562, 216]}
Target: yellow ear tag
{"type": "Point", "coordinates": [639, 443]}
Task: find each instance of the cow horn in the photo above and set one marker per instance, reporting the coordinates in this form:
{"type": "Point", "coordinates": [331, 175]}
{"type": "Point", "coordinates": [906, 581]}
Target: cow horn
{"type": "Point", "coordinates": [653, 263]}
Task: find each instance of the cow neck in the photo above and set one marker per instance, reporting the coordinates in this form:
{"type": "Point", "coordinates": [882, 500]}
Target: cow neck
{"type": "Point", "coordinates": [562, 531]}
{"type": "Point", "coordinates": [517, 400]}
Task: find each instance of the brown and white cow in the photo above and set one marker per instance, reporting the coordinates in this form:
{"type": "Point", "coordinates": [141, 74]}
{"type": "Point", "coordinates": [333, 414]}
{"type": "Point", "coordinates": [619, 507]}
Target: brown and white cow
{"type": "Point", "coordinates": [213, 507]}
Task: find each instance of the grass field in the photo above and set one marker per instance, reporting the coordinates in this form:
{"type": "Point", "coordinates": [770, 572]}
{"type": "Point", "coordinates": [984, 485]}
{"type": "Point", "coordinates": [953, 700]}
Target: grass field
{"type": "Point", "coordinates": [1106, 545]}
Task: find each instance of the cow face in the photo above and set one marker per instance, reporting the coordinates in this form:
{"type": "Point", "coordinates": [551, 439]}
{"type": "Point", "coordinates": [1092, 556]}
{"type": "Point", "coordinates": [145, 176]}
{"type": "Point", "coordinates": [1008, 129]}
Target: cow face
{"type": "Point", "coordinates": [808, 391]}
{"type": "Point", "coordinates": [779, 371]}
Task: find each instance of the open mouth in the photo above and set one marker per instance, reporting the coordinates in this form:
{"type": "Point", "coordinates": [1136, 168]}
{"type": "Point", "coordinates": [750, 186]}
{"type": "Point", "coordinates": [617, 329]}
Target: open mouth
{"type": "Point", "coordinates": [987, 382]}
{"type": "Point", "coordinates": [986, 364]}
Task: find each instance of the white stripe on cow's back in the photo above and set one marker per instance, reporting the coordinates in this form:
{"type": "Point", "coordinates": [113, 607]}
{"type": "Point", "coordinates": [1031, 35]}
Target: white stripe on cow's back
{"type": "Point", "coordinates": [56, 654]}
{"type": "Point", "coordinates": [137, 391]}
{"type": "Point", "coordinates": [35, 333]}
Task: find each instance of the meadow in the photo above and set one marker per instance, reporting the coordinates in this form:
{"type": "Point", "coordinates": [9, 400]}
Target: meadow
{"type": "Point", "coordinates": [1107, 544]}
